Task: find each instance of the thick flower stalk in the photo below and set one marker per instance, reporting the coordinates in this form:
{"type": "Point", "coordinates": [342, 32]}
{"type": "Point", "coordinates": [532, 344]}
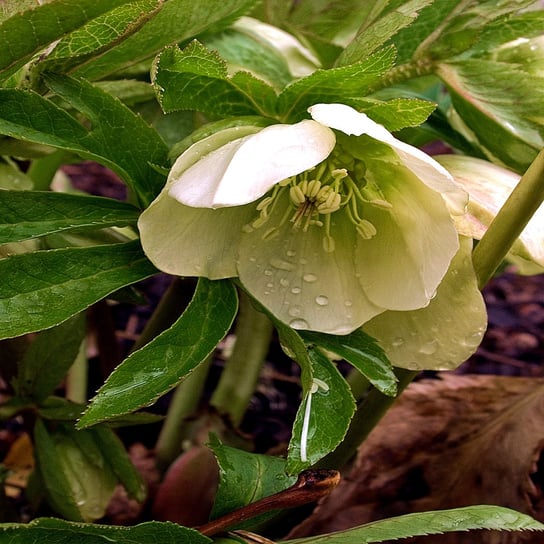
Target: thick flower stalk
{"type": "Point", "coordinates": [327, 222]}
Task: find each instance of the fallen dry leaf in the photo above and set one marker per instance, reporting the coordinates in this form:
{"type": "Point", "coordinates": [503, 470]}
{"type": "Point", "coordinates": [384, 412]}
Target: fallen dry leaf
{"type": "Point", "coordinates": [456, 441]}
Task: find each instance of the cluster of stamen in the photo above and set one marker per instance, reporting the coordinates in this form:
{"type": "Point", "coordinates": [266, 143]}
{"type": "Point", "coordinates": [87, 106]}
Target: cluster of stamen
{"type": "Point", "coordinates": [318, 193]}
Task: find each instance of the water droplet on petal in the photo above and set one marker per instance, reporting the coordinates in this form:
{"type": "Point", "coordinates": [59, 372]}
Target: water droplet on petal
{"type": "Point", "coordinates": [299, 324]}
{"type": "Point", "coordinates": [303, 261]}
{"type": "Point", "coordinates": [290, 253]}
{"type": "Point", "coordinates": [310, 278]}
{"type": "Point", "coordinates": [348, 303]}
{"type": "Point", "coordinates": [296, 290]}
{"type": "Point", "coordinates": [295, 311]}
{"type": "Point", "coordinates": [268, 272]}
{"type": "Point", "coordinates": [284, 282]}
{"type": "Point", "coordinates": [252, 259]}
{"type": "Point", "coordinates": [429, 347]}
{"type": "Point", "coordinates": [280, 264]}
{"type": "Point", "coordinates": [322, 300]}
{"type": "Point", "coordinates": [270, 285]}
{"type": "Point", "coordinates": [398, 341]}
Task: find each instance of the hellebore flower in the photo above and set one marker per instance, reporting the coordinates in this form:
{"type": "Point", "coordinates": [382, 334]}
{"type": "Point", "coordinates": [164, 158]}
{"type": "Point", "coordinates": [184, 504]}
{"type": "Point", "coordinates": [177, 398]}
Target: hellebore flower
{"type": "Point", "coordinates": [327, 222]}
{"type": "Point", "coordinates": [488, 186]}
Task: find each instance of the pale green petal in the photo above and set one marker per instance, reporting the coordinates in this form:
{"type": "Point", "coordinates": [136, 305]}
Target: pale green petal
{"type": "Point", "coordinates": [434, 175]}
{"type": "Point", "coordinates": [445, 333]}
{"type": "Point", "coordinates": [488, 186]}
{"type": "Point", "coordinates": [243, 170]}
{"type": "Point", "coordinates": [187, 241]}
{"type": "Point", "coordinates": [402, 265]}
{"type": "Point", "coordinates": [301, 284]}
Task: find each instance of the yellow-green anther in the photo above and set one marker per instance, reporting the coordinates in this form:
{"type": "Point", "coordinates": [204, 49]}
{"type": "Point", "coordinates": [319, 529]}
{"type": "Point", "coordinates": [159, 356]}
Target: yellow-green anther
{"type": "Point", "coordinates": [297, 196]}
{"type": "Point", "coordinates": [313, 189]}
{"type": "Point", "coordinates": [366, 229]}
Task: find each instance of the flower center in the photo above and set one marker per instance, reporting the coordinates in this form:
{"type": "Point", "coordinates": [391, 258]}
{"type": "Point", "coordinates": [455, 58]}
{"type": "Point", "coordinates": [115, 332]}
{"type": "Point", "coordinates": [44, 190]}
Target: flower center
{"type": "Point", "coordinates": [316, 194]}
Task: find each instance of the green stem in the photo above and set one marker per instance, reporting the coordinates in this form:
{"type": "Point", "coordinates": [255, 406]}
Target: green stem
{"type": "Point", "coordinates": [239, 378]}
{"type": "Point", "coordinates": [172, 304]}
{"type": "Point", "coordinates": [184, 403]}
{"type": "Point", "coordinates": [76, 378]}
{"type": "Point", "coordinates": [512, 218]}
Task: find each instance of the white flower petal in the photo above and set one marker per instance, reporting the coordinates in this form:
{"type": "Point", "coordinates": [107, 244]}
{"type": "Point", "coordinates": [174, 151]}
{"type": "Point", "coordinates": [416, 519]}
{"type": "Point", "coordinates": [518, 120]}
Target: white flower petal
{"type": "Point", "coordinates": [187, 241]}
{"type": "Point", "coordinates": [402, 265]}
{"type": "Point", "coordinates": [301, 284]}
{"type": "Point", "coordinates": [243, 170]}
{"type": "Point", "coordinates": [446, 332]}
{"type": "Point", "coordinates": [488, 186]}
{"type": "Point", "coordinates": [434, 175]}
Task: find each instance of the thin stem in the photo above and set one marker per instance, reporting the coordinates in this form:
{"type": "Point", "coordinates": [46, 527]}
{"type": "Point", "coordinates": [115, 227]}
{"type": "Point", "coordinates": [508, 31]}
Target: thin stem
{"type": "Point", "coordinates": [184, 403]}
{"type": "Point", "coordinates": [239, 378]}
{"type": "Point", "coordinates": [508, 224]}
{"type": "Point", "coordinates": [76, 378]}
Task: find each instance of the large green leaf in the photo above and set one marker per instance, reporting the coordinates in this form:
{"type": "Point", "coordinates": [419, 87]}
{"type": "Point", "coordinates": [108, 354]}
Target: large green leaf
{"type": "Point", "coordinates": [48, 358]}
{"type": "Point", "coordinates": [323, 417]}
{"type": "Point", "coordinates": [27, 214]}
{"type": "Point", "coordinates": [27, 31]}
{"type": "Point", "coordinates": [44, 288]}
{"type": "Point", "coordinates": [196, 78]}
{"type": "Point", "coordinates": [431, 523]}
{"type": "Point", "coordinates": [246, 477]}
{"type": "Point", "coordinates": [119, 138]}
{"type": "Point", "coordinates": [334, 85]}
{"type": "Point", "coordinates": [177, 21]}
{"type": "Point", "coordinates": [130, 145]}
{"type": "Point", "coordinates": [160, 365]}
{"type": "Point", "coordinates": [362, 351]}
{"type": "Point", "coordinates": [55, 531]}
{"type": "Point", "coordinates": [98, 35]}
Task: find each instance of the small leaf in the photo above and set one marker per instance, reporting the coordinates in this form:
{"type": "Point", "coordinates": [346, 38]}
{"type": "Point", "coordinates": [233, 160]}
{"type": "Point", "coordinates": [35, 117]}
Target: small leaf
{"type": "Point", "coordinates": [160, 365]}
{"type": "Point", "coordinates": [53, 531]}
{"type": "Point", "coordinates": [44, 288]}
{"type": "Point", "coordinates": [26, 214]}
{"type": "Point", "coordinates": [335, 85]}
{"type": "Point", "coordinates": [113, 451]}
{"type": "Point", "coordinates": [48, 358]}
{"type": "Point", "coordinates": [380, 29]}
{"type": "Point", "coordinates": [431, 523]}
{"type": "Point", "coordinates": [323, 417]}
{"type": "Point", "coordinates": [245, 478]}
{"type": "Point", "coordinates": [197, 79]}
{"type": "Point", "coordinates": [361, 351]}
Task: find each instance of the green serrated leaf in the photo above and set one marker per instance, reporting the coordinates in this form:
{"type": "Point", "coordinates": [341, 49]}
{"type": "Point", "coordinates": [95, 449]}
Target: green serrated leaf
{"type": "Point", "coordinates": [323, 417]}
{"type": "Point", "coordinates": [177, 21]}
{"type": "Point", "coordinates": [97, 36]}
{"type": "Point", "coordinates": [48, 358]}
{"type": "Point", "coordinates": [25, 32]}
{"type": "Point", "coordinates": [54, 531]}
{"type": "Point", "coordinates": [335, 85]}
{"type": "Point", "coordinates": [160, 365]}
{"type": "Point", "coordinates": [361, 351]}
{"type": "Point", "coordinates": [246, 477]}
{"type": "Point", "coordinates": [119, 138]}
{"type": "Point", "coordinates": [44, 288]}
{"type": "Point", "coordinates": [380, 29]}
{"type": "Point", "coordinates": [122, 138]}
{"type": "Point", "coordinates": [196, 78]}
{"type": "Point", "coordinates": [431, 523]}
{"type": "Point", "coordinates": [27, 214]}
